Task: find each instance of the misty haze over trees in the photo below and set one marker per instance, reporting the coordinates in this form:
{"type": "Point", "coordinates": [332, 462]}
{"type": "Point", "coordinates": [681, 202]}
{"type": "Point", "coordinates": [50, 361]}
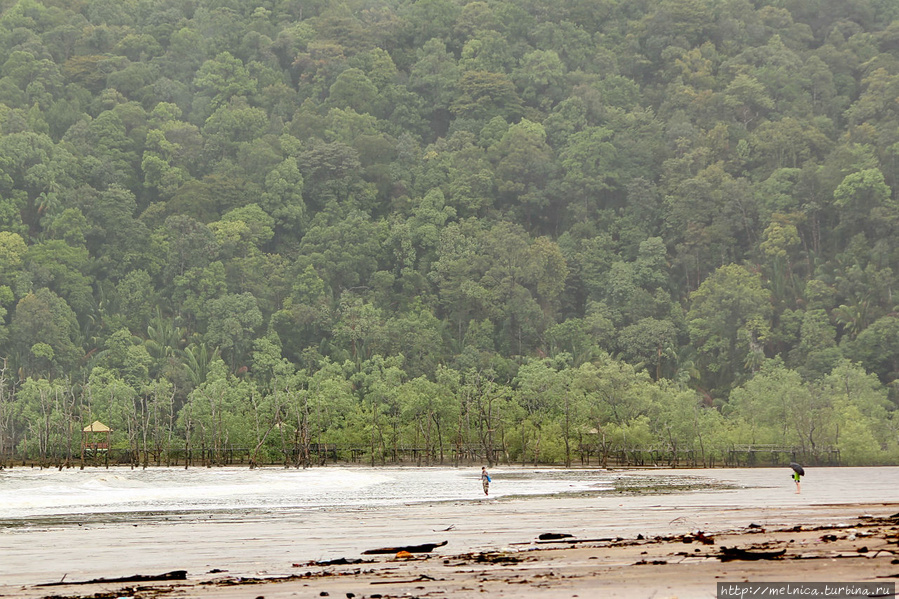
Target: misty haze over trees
{"type": "Point", "coordinates": [502, 230]}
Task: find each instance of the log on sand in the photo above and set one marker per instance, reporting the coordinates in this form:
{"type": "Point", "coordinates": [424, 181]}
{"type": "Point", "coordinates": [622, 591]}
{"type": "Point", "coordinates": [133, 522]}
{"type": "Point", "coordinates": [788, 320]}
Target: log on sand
{"type": "Point", "coordinates": [424, 548]}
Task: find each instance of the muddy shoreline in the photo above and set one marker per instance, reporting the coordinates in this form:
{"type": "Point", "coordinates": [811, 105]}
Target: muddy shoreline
{"type": "Point", "coordinates": [858, 549]}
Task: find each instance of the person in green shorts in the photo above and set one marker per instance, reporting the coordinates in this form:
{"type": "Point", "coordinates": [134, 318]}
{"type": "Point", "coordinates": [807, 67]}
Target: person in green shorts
{"type": "Point", "coordinates": [798, 473]}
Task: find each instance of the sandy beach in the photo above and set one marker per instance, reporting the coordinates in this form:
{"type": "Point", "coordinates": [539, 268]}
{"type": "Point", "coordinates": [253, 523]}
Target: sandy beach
{"type": "Point", "coordinates": [844, 527]}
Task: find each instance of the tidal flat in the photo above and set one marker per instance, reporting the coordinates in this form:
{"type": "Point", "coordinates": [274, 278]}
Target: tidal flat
{"type": "Point", "coordinates": [617, 514]}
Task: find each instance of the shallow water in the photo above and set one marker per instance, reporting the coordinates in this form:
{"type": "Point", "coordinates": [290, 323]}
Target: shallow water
{"type": "Point", "coordinates": [39, 494]}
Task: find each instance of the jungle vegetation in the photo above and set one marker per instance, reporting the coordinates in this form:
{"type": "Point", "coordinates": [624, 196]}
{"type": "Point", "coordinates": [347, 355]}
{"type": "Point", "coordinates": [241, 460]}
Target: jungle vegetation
{"type": "Point", "coordinates": [513, 228]}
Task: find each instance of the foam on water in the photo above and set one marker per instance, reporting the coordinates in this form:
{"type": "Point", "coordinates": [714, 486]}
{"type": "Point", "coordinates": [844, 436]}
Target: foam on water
{"type": "Point", "coordinates": [45, 493]}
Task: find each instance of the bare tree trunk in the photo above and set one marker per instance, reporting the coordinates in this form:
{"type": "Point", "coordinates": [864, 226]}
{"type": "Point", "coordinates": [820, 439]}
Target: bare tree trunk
{"type": "Point", "coordinates": [567, 430]}
{"type": "Point", "coordinates": [275, 422]}
{"type": "Point", "coordinates": [371, 435]}
{"type": "Point", "coordinates": [144, 430]}
{"type": "Point", "coordinates": [603, 446]}
{"type": "Point", "coordinates": [188, 425]}
{"type": "Point", "coordinates": [463, 406]}
{"type": "Point", "coordinates": [171, 430]}
{"type": "Point", "coordinates": [281, 435]}
{"type": "Point", "coordinates": [44, 431]}
{"type": "Point", "coordinates": [306, 447]}
{"type": "Point", "coordinates": [6, 442]}
{"type": "Point", "coordinates": [439, 437]}
{"type": "Point", "coordinates": [69, 403]}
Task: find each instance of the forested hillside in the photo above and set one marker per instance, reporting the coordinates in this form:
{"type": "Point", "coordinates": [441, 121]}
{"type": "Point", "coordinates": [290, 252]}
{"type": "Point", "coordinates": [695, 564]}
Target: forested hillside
{"type": "Point", "coordinates": [506, 230]}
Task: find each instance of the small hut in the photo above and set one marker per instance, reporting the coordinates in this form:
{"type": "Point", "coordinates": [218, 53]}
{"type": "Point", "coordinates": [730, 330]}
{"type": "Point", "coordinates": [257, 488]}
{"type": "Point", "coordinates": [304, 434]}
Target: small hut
{"type": "Point", "coordinates": [89, 436]}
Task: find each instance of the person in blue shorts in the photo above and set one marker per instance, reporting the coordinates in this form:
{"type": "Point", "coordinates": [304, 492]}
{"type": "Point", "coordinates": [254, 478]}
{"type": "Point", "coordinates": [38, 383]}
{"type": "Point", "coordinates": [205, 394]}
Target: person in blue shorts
{"type": "Point", "coordinates": [485, 480]}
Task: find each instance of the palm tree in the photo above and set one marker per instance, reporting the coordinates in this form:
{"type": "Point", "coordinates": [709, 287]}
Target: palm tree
{"type": "Point", "coordinates": [197, 360]}
{"type": "Point", "coordinates": [163, 340]}
{"type": "Point", "coordinates": [852, 318]}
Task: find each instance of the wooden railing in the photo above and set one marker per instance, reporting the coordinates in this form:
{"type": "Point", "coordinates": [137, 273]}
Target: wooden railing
{"type": "Point", "coordinates": [583, 455]}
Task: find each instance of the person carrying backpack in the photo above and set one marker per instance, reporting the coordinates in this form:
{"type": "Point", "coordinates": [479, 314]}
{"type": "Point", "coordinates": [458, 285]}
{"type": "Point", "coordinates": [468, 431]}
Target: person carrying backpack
{"type": "Point", "coordinates": [485, 480]}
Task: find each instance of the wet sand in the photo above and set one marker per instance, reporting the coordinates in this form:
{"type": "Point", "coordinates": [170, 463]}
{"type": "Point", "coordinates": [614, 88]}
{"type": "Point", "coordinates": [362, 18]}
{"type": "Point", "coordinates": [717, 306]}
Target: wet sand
{"type": "Point", "coordinates": [634, 544]}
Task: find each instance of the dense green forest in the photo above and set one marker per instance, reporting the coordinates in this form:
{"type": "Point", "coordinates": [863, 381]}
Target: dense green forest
{"type": "Point", "coordinates": [512, 230]}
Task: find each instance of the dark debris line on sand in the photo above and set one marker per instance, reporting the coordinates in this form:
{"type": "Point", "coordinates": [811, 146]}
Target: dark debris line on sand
{"type": "Point", "coordinates": [174, 575]}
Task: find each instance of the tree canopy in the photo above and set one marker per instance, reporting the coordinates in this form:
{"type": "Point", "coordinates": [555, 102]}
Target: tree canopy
{"type": "Point", "coordinates": [382, 217]}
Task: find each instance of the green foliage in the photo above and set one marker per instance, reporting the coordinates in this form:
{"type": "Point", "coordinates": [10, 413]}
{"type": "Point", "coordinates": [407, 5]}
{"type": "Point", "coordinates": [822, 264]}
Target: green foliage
{"type": "Point", "coordinates": [728, 321]}
{"type": "Point", "coordinates": [486, 226]}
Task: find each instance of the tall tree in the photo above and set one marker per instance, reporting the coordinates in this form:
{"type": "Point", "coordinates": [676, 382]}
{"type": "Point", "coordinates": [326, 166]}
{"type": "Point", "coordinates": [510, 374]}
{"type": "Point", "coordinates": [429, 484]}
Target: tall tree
{"type": "Point", "coordinates": [729, 320]}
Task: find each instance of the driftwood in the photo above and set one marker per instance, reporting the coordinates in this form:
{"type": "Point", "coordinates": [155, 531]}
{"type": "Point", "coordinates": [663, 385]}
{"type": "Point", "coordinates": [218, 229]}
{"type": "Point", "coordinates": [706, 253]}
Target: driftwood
{"type": "Point", "coordinates": [573, 541]}
{"type": "Point", "coordinates": [424, 548]}
{"type": "Point", "coordinates": [491, 557]}
{"type": "Point", "coordinates": [341, 561]}
{"type": "Point", "coordinates": [554, 536]}
{"type": "Point", "coordinates": [735, 553]}
{"type": "Point", "coordinates": [422, 578]}
{"type": "Point", "coordinates": [174, 575]}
